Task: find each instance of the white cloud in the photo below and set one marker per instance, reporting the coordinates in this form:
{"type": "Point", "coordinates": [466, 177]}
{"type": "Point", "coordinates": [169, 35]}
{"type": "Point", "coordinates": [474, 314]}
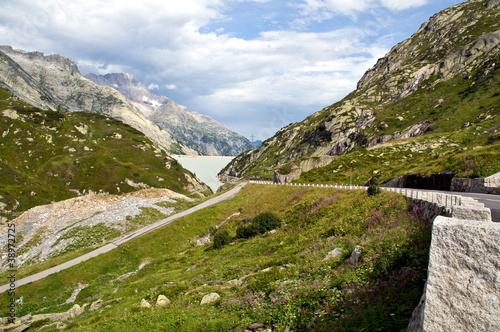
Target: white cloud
{"type": "Point", "coordinates": [163, 41]}
{"type": "Point", "coordinates": [402, 5]}
{"type": "Point", "coordinates": [153, 86]}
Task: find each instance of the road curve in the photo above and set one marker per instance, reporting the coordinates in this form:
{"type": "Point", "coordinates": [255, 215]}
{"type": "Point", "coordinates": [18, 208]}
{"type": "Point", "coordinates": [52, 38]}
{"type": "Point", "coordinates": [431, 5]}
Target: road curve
{"type": "Point", "coordinates": [110, 246]}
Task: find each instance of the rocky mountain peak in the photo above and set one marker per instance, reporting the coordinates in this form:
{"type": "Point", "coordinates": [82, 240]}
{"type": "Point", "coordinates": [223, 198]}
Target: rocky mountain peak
{"type": "Point", "coordinates": [54, 82]}
{"type": "Point", "coordinates": [445, 46]}
{"type": "Point", "coordinates": [199, 132]}
{"type": "Point", "coordinates": [59, 61]}
{"type": "Point", "coordinates": [441, 79]}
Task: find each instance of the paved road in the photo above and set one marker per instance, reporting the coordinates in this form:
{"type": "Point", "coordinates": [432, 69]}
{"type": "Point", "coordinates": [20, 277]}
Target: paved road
{"type": "Point", "coordinates": [215, 200]}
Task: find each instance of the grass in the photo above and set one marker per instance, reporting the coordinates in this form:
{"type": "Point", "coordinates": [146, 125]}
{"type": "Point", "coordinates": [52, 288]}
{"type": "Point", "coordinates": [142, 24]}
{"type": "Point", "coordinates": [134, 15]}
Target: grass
{"type": "Point", "coordinates": [462, 105]}
{"type": "Point", "coordinates": [88, 238]}
{"type": "Point", "coordinates": [468, 153]}
{"type": "Point", "coordinates": [279, 279]}
{"type": "Point", "coordinates": [45, 158]}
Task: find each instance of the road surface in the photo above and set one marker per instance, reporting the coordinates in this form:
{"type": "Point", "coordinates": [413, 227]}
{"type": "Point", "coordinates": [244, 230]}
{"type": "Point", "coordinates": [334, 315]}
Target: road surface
{"type": "Point", "coordinates": [110, 246]}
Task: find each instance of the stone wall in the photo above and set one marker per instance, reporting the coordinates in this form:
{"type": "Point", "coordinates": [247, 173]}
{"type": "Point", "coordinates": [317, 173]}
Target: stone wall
{"type": "Point", "coordinates": [489, 185]}
{"type": "Point", "coordinates": [432, 204]}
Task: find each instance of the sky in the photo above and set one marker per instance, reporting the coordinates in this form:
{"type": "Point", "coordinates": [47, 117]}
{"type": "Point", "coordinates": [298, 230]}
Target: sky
{"type": "Point", "coordinates": [253, 65]}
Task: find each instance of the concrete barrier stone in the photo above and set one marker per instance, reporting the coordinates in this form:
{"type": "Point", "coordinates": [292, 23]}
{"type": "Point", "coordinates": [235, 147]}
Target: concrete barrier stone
{"type": "Point", "coordinates": [471, 213]}
{"type": "Point", "coordinates": [463, 285]}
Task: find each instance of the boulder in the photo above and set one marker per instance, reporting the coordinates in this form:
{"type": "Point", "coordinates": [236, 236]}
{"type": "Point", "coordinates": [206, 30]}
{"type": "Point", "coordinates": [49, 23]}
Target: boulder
{"type": "Point", "coordinates": [144, 304]}
{"type": "Point", "coordinates": [209, 298]}
{"type": "Point", "coordinates": [256, 327]}
{"type": "Point", "coordinates": [334, 253]}
{"type": "Point", "coordinates": [355, 255]}
{"type": "Point", "coordinates": [162, 301]}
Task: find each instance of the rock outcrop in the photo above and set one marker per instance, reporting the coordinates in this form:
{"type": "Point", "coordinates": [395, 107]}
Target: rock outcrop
{"type": "Point", "coordinates": [209, 298]}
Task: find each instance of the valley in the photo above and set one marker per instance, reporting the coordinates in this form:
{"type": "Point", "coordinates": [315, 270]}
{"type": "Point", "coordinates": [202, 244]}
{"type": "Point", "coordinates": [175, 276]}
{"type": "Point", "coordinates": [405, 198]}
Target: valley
{"type": "Point", "coordinates": [120, 208]}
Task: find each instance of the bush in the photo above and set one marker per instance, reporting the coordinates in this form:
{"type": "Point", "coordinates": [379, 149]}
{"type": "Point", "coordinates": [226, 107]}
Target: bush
{"type": "Point", "coordinates": [221, 239]}
{"type": "Point", "coordinates": [246, 232]}
{"type": "Point", "coordinates": [266, 221]}
{"type": "Point", "coordinates": [262, 223]}
{"type": "Point", "coordinates": [373, 190]}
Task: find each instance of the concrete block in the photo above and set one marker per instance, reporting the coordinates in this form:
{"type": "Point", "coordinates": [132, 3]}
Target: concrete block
{"type": "Point", "coordinates": [463, 285]}
{"type": "Point", "coordinates": [471, 213]}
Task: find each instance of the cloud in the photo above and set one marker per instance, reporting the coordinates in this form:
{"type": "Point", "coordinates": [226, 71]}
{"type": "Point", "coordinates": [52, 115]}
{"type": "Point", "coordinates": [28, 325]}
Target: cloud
{"type": "Point", "coordinates": [153, 86]}
{"type": "Point", "coordinates": [297, 56]}
{"type": "Point", "coordinates": [402, 5]}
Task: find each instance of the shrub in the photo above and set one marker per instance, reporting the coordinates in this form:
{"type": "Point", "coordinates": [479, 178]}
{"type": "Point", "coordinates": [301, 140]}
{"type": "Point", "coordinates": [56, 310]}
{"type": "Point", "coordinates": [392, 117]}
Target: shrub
{"type": "Point", "coordinates": [266, 221]}
{"type": "Point", "coordinates": [246, 232]}
{"type": "Point", "coordinates": [373, 190]}
{"type": "Point", "coordinates": [221, 239]}
{"type": "Point", "coordinates": [262, 223]}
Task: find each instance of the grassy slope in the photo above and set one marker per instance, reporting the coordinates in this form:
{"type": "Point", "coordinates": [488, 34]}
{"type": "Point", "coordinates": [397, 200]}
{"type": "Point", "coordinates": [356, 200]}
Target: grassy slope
{"type": "Point", "coordinates": [464, 137]}
{"type": "Point", "coordinates": [300, 291]}
{"type": "Point", "coordinates": [43, 155]}
{"type": "Point", "coordinates": [465, 108]}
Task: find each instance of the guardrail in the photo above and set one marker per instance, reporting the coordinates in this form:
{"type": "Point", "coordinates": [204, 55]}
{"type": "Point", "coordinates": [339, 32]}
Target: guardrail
{"type": "Point", "coordinates": [431, 204]}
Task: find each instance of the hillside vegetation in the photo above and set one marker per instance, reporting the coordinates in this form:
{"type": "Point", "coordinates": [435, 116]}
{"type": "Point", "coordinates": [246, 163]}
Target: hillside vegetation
{"type": "Point", "coordinates": [50, 156]}
{"type": "Point", "coordinates": [431, 102]}
{"type": "Point", "coordinates": [280, 278]}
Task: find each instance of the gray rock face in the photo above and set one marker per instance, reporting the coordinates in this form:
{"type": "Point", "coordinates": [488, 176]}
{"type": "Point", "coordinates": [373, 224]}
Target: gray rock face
{"type": "Point", "coordinates": [453, 43]}
{"type": "Point", "coordinates": [197, 131]}
{"type": "Point", "coordinates": [463, 287]}
{"type": "Point", "coordinates": [53, 81]}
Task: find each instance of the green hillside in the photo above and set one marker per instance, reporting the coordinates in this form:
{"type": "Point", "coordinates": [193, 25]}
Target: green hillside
{"type": "Point", "coordinates": [50, 156]}
{"type": "Point", "coordinates": [431, 104]}
{"type": "Point", "coordinates": [278, 278]}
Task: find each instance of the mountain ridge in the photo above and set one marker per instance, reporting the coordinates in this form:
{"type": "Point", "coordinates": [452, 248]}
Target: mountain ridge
{"type": "Point", "coordinates": [439, 81]}
{"type": "Point", "coordinates": [58, 85]}
{"type": "Point", "coordinates": [198, 131]}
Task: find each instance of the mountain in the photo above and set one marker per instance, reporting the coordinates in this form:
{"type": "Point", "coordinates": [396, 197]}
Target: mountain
{"type": "Point", "coordinates": [431, 104]}
{"type": "Point", "coordinates": [197, 131]}
{"type": "Point", "coordinates": [48, 156]}
{"type": "Point", "coordinates": [54, 82]}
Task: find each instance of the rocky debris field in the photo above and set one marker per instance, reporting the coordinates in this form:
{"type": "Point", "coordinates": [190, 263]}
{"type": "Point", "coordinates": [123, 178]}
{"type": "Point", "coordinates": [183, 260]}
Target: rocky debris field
{"type": "Point", "coordinates": [50, 230]}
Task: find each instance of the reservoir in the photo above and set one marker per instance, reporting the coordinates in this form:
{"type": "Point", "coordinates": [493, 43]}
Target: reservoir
{"type": "Point", "coordinates": [206, 168]}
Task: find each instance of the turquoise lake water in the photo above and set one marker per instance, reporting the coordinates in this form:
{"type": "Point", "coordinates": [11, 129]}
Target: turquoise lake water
{"type": "Point", "coordinates": [205, 168]}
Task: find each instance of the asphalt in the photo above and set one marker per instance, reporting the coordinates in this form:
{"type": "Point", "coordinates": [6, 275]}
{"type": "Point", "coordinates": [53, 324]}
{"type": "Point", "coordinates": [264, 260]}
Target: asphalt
{"type": "Point", "coordinates": [110, 246]}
